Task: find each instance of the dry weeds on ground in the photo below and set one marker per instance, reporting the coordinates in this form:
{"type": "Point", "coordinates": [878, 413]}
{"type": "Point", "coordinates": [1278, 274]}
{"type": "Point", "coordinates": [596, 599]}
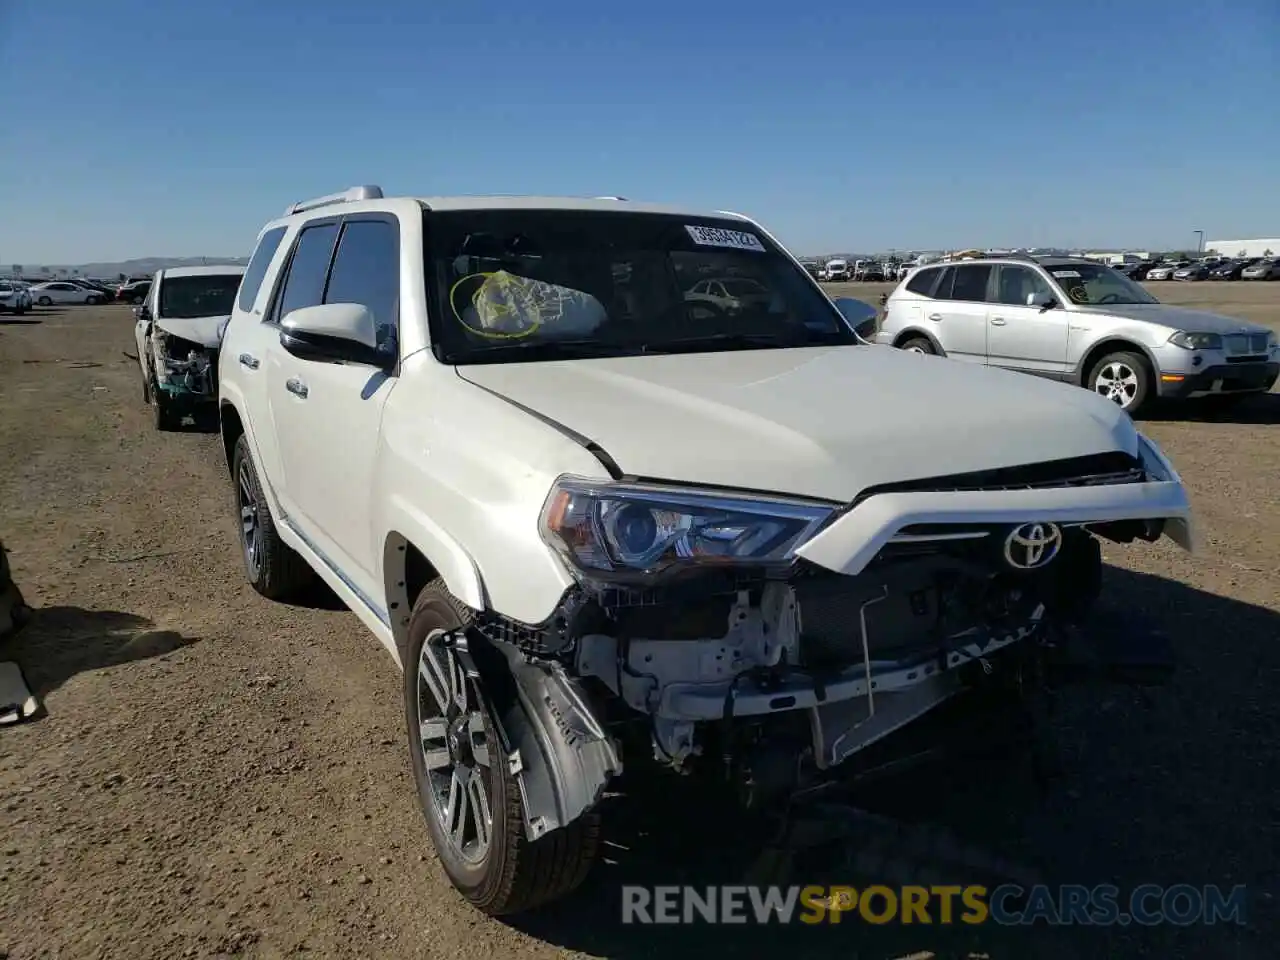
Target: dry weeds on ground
{"type": "Point", "coordinates": [217, 775]}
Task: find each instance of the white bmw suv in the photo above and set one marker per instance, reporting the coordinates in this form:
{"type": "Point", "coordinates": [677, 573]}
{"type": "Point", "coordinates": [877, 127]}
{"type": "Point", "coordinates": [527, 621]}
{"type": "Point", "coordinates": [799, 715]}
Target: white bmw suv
{"type": "Point", "coordinates": [596, 515]}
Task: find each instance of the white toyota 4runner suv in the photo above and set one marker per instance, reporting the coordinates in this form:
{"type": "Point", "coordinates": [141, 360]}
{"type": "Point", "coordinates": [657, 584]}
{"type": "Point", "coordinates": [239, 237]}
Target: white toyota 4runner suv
{"type": "Point", "coordinates": [596, 516]}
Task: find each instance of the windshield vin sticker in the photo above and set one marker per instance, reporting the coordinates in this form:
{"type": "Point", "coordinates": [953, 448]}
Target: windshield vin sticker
{"type": "Point", "coordinates": [734, 239]}
{"type": "Point", "coordinates": [1065, 274]}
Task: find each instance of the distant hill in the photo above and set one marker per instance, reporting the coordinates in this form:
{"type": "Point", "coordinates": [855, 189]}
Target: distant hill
{"type": "Point", "coordinates": [110, 270]}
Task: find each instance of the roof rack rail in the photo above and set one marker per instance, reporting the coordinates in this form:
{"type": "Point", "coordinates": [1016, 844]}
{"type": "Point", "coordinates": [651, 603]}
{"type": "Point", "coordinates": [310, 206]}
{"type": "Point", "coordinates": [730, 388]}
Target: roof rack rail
{"type": "Point", "coordinates": [366, 192]}
{"type": "Point", "coordinates": [623, 199]}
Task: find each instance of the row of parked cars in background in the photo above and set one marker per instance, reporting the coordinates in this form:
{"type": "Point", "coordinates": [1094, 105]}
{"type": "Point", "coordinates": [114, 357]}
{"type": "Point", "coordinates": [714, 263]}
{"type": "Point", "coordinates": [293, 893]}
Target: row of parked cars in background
{"type": "Point", "coordinates": [1210, 268]}
{"type": "Point", "coordinates": [19, 296]}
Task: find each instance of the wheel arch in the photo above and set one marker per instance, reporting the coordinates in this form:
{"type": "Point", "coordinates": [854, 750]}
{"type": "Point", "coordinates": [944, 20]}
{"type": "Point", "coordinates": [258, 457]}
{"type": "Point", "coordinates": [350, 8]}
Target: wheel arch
{"type": "Point", "coordinates": [412, 556]}
{"type": "Point", "coordinates": [1111, 345]}
{"type": "Point", "coordinates": [910, 333]}
{"type": "Point", "coordinates": [231, 427]}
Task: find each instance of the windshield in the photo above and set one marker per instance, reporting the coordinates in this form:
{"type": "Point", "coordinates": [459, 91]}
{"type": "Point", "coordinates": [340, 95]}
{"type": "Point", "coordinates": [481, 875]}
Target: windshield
{"type": "Point", "coordinates": [527, 285]}
{"type": "Point", "coordinates": [1096, 285]}
{"type": "Point", "coordinates": [208, 295]}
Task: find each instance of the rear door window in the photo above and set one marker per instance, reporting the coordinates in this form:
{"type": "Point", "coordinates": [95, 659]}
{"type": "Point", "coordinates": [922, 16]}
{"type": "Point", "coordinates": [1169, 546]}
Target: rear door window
{"type": "Point", "coordinates": [969, 282]}
{"type": "Point", "coordinates": [922, 282]}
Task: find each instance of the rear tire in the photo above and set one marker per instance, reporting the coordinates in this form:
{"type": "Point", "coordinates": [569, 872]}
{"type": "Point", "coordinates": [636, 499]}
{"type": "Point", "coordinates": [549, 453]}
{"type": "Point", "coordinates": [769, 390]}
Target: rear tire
{"type": "Point", "coordinates": [1124, 378]}
{"type": "Point", "coordinates": [92, 301]}
{"type": "Point", "coordinates": [918, 345]}
{"type": "Point", "coordinates": [505, 873]}
{"type": "Point", "coordinates": [167, 418]}
{"type": "Point", "coordinates": [272, 567]}
{"type": "Point", "coordinates": [45, 302]}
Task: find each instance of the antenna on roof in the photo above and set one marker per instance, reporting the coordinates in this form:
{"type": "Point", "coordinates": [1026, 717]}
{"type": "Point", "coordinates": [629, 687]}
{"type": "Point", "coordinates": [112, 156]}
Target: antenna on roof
{"type": "Point", "coordinates": [366, 192]}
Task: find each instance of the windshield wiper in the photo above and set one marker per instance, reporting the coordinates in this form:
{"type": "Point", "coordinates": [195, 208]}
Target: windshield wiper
{"type": "Point", "coordinates": [569, 348]}
{"type": "Point", "coordinates": [713, 340]}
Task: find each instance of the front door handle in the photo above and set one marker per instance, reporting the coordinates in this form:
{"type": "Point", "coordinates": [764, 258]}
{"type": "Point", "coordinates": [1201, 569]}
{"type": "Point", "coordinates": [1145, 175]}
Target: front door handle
{"type": "Point", "coordinates": [246, 360]}
{"type": "Point", "coordinates": [997, 321]}
{"type": "Point", "coordinates": [296, 387]}
{"type": "Point", "coordinates": [935, 317]}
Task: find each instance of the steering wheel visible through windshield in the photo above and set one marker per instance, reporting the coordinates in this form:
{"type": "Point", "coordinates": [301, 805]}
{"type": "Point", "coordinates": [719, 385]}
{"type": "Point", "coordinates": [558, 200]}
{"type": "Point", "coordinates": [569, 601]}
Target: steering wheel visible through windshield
{"type": "Point", "coordinates": [1090, 284]}
{"type": "Point", "coordinates": [517, 285]}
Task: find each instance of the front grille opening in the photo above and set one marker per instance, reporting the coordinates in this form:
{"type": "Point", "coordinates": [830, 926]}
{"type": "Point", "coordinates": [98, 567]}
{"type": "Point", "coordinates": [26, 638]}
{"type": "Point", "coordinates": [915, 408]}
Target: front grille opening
{"type": "Point", "coordinates": [1092, 470]}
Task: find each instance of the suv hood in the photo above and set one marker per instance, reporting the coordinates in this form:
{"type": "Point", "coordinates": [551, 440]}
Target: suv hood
{"type": "Point", "coordinates": [823, 422]}
{"type": "Point", "coordinates": [1177, 318]}
{"type": "Point", "coordinates": [201, 330]}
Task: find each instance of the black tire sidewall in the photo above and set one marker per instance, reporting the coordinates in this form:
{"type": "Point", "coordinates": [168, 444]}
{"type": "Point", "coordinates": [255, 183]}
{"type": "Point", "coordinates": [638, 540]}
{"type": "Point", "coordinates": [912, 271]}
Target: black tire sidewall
{"type": "Point", "coordinates": [241, 459]}
{"type": "Point", "coordinates": [433, 611]}
{"type": "Point", "coordinates": [1139, 365]}
{"type": "Point", "coordinates": [921, 341]}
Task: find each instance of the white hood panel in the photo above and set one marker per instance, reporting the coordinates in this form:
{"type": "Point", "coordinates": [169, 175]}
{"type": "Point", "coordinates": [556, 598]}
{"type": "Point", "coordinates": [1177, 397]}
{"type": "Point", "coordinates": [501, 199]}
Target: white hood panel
{"type": "Point", "coordinates": [823, 422]}
{"type": "Point", "coordinates": [201, 330]}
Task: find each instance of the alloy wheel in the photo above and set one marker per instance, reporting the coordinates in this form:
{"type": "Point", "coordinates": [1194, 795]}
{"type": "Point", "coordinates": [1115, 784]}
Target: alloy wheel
{"type": "Point", "coordinates": [1118, 382]}
{"type": "Point", "coordinates": [250, 527]}
{"type": "Point", "coordinates": [455, 749]}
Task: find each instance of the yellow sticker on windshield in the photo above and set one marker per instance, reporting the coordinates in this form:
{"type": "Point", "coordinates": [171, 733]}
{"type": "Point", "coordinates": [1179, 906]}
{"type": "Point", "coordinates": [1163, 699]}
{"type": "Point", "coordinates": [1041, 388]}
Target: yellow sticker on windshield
{"type": "Point", "coordinates": [504, 306]}
{"type": "Point", "coordinates": [1079, 294]}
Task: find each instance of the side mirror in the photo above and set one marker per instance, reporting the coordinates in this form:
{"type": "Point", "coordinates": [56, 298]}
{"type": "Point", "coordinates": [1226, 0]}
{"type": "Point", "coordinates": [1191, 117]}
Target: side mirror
{"type": "Point", "coordinates": [859, 315]}
{"type": "Point", "coordinates": [334, 332]}
{"type": "Point", "coordinates": [1044, 301]}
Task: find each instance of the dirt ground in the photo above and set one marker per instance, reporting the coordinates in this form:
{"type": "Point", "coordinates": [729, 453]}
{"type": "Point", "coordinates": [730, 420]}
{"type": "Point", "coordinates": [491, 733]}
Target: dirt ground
{"type": "Point", "coordinates": [220, 775]}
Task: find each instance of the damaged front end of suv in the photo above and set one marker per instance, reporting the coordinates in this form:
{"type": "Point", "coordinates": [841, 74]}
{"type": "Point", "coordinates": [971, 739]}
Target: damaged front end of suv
{"type": "Point", "coordinates": [764, 642]}
{"type": "Point", "coordinates": [184, 374]}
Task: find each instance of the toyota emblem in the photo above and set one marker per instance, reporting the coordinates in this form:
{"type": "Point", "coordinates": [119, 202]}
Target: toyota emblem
{"type": "Point", "coordinates": [1032, 545]}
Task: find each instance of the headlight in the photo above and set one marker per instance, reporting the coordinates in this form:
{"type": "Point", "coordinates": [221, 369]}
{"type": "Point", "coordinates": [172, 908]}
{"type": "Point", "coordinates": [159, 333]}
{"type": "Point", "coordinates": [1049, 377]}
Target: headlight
{"type": "Point", "coordinates": [629, 530]}
{"type": "Point", "coordinates": [1196, 341]}
{"type": "Point", "coordinates": [1154, 462]}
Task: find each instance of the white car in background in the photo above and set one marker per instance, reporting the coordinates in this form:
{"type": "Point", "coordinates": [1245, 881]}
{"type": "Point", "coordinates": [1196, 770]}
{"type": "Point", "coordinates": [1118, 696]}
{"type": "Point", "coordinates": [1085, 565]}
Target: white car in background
{"type": "Point", "coordinates": [63, 291]}
{"type": "Point", "coordinates": [14, 299]}
{"type": "Point", "coordinates": [178, 331]}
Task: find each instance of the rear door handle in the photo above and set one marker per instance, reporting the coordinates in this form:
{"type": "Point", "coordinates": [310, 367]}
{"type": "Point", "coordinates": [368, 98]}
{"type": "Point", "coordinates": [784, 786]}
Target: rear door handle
{"type": "Point", "coordinates": [935, 317]}
{"type": "Point", "coordinates": [997, 321]}
{"type": "Point", "coordinates": [248, 361]}
{"type": "Point", "coordinates": [296, 387]}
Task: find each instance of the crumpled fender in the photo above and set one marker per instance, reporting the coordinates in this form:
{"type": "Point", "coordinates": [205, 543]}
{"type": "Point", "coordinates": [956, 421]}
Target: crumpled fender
{"type": "Point", "coordinates": [554, 744]}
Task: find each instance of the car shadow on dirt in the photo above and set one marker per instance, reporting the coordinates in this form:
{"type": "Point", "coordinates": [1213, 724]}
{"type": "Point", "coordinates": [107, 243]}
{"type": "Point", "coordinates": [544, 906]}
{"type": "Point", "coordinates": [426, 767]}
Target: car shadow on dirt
{"type": "Point", "coordinates": [1254, 410]}
{"type": "Point", "coordinates": [199, 421]}
{"type": "Point", "coordinates": [12, 320]}
{"type": "Point", "coordinates": [1156, 785]}
{"type": "Point", "coordinates": [59, 642]}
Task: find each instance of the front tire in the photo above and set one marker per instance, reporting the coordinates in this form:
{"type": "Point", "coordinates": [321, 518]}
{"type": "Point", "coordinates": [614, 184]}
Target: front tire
{"type": "Point", "coordinates": [272, 567]}
{"type": "Point", "coordinates": [92, 301]}
{"type": "Point", "coordinates": [45, 302]}
{"type": "Point", "coordinates": [166, 417]}
{"type": "Point", "coordinates": [1124, 378]}
{"type": "Point", "coordinates": [468, 795]}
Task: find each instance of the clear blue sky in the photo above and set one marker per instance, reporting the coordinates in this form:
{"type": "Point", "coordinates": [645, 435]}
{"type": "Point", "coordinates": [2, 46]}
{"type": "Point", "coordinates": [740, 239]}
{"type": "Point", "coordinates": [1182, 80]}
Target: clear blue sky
{"type": "Point", "coordinates": [168, 129]}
